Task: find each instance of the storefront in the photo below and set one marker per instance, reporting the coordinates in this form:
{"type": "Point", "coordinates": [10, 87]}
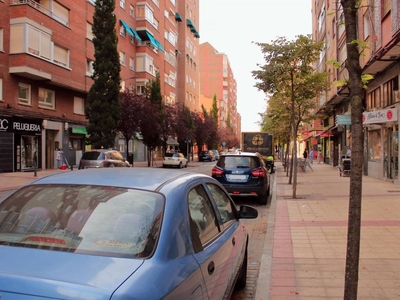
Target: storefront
{"type": "Point", "coordinates": [382, 143]}
{"type": "Point", "coordinates": [21, 144]}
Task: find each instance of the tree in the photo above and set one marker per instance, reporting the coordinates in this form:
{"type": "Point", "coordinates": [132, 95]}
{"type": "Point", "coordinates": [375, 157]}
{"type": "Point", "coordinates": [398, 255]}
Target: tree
{"type": "Point", "coordinates": [153, 90]}
{"type": "Point", "coordinates": [214, 110]}
{"type": "Point", "coordinates": [212, 124]}
{"type": "Point", "coordinates": [184, 128]}
{"type": "Point", "coordinates": [355, 85]}
{"type": "Point", "coordinates": [229, 137]}
{"type": "Point", "coordinates": [103, 110]}
{"type": "Point", "coordinates": [288, 73]}
{"type": "Point", "coordinates": [201, 132]}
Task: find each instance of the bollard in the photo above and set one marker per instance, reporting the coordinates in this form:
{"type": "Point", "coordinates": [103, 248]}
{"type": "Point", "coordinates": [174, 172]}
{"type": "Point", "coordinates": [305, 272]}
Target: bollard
{"type": "Point", "coordinates": [35, 171]}
{"type": "Point", "coordinates": [72, 167]}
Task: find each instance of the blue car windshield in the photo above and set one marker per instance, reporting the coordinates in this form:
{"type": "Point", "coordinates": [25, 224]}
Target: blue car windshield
{"type": "Point", "coordinates": [95, 220]}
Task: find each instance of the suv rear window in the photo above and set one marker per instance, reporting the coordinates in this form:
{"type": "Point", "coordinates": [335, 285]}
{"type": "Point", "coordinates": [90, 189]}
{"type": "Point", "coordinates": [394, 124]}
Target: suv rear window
{"type": "Point", "coordinates": [233, 162]}
{"type": "Point", "coordinates": [92, 155]}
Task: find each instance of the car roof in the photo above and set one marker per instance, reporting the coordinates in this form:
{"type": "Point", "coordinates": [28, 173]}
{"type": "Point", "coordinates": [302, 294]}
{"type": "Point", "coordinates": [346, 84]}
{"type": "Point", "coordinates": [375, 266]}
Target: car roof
{"type": "Point", "coordinates": [141, 178]}
{"type": "Point", "coordinates": [240, 153]}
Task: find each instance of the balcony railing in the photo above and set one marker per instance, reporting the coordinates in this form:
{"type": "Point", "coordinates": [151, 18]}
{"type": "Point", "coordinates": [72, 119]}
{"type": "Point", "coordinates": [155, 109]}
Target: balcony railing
{"type": "Point", "coordinates": [40, 8]}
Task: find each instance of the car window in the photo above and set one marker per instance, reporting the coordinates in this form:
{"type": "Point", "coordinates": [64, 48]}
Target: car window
{"type": "Point", "coordinates": [223, 203]}
{"type": "Point", "coordinates": [202, 214]}
{"type": "Point", "coordinates": [92, 155]}
{"type": "Point", "coordinates": [231, 162]}
{"type": "Point", "coordinates": [103, 221]}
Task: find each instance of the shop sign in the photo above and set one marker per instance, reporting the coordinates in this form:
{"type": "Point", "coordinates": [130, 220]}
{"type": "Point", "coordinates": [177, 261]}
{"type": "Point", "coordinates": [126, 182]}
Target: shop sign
{"type": "Point", "coordinates": [78, 130]}
{"type": "Point", "coordinates": [343, 119]}
{"type": "Point", "coordinates": [23, 126]}
{"type": "Point", "coordinates": [380, 116]}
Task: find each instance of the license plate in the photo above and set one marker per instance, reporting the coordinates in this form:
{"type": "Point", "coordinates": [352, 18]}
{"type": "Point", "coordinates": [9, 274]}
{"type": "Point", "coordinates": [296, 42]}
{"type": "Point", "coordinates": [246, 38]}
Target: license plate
{"type": "Point", "coordinates": [236, 177]}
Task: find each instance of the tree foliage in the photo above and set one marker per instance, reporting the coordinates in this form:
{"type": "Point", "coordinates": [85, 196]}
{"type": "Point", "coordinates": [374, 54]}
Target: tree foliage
{"type": "Point", "coordinates": [103, 110]}
{"type": "Point", "coordinates": [288, 75]}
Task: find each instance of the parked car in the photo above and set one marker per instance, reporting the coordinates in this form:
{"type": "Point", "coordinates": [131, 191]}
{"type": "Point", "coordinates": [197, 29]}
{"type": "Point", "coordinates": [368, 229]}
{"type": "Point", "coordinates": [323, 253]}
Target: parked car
{"type": "Point", "coordinates": [216, 154]}
{"type": "Point", "coordinates": [207, 155]}
{"type": "Point", "coordinates": [243, 174]}
{"type": "Point", "coordinates": [102, 158]}
{"type": "Point", "coordinates": [175, 160]}
{"type": "Point", "coordinates": [119, 233]}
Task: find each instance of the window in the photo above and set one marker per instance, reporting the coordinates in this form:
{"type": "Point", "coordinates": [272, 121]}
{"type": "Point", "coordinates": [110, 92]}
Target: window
{"type": "Point", "coordinates": [131, 11]}
{"type": "Point", "coordinates": [122, 31]}
{"type": "Point", "coordinates": [39, 43]}
{"type": "Point", "coordinates": [366, 25]}
{"type": "Point", "coordinates": [61, 56]}
{"type": "Point", "coordinates": [60, 13]}
{"type": "Point", "coordinates": [24, 93]}
{"type": "Point", "coordinates": [46, 98]}
{"type": "Point", "coordinates": [89, 33]}
{"type": "Point", "coordinates": [374, 145]}
{"type": "Point", "coordinates": [140, 89]}
{"type": "Point", "coordinates": [79, 106]}
{"type": "Point", "coordinates": [122, 58]}
{"type": "Point", "coordinates": [89, 67]}
{"type": "Point", "coordinates": [122, 3]}
{"type": "Point", "coordinates": [1, 39]}
{"type": "Point", "coordinates": [131, 64]}
{"type": "Point", "coordinates": [202, 215]}
{"type": "Point", "coordinates": [224, 205]}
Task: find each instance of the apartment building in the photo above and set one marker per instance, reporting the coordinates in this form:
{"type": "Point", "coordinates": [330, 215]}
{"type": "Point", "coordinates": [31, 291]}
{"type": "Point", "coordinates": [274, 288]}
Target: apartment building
{"type": "Point", "coordinates": [217, 78]}
{"type": "Point", "coordinates": [379, 27]}
{"type": "Point", "coordinates": [46, 59]}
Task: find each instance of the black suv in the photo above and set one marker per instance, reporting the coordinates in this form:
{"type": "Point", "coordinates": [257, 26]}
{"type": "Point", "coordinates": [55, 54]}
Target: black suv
{"type": "Point", "coordinates": [102, 159]}
{"type": "Point", "coordinates": [243, 174]}
{"type": "Point", "coordinates": [206, 155]}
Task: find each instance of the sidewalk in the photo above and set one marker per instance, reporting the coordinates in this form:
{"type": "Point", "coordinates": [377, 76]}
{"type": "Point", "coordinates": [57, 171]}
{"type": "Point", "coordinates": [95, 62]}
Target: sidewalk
{"type": "Point", "coordinates": [305, 248]}
{"type": "Point", "coordinates": [14, 180]}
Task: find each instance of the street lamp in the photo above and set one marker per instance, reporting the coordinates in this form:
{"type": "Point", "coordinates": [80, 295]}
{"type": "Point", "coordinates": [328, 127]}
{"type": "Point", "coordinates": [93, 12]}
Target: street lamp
{"type": "Point", "coordinates": [187, 141]}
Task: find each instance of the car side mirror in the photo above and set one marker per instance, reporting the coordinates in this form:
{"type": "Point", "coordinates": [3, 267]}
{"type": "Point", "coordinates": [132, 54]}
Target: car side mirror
{"type": "Point", "coordinates": [247, 212]}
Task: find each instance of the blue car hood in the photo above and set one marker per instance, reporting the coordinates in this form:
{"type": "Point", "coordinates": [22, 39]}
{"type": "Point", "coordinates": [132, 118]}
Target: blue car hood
{"type": "Point", "coordinates": [35, 274]}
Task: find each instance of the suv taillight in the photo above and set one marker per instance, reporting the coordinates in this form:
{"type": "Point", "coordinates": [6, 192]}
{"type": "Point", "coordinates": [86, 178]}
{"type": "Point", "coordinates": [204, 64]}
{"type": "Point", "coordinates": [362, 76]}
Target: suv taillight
{"type": "Point", "coordinates": [216, 172]}
{"type": "Point", "coordinates": [258, 173]}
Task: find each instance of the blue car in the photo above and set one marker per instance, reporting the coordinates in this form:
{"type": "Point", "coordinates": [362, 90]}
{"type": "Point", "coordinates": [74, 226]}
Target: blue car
{"type": "Point", "coordinates": [122, 233]}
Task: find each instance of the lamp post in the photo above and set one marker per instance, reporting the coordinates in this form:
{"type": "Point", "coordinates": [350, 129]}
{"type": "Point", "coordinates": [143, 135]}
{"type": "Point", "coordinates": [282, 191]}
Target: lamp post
{"type": "Point", "coordinates": [187, 141]}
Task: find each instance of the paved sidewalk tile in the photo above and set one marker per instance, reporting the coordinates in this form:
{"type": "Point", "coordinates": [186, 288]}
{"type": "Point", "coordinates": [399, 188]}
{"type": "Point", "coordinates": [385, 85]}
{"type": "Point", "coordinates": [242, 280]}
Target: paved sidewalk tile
{"type": "Point", "coordinates": [310, 237]}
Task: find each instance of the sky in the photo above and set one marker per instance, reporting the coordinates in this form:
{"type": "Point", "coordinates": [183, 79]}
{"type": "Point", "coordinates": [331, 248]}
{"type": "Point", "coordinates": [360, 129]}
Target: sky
{"type": "Point", "coordinates": [231, 27]}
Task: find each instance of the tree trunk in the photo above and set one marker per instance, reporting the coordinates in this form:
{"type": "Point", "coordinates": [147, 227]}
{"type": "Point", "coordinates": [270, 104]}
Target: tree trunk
{"type": "Point", "coordinates": [355, 86]}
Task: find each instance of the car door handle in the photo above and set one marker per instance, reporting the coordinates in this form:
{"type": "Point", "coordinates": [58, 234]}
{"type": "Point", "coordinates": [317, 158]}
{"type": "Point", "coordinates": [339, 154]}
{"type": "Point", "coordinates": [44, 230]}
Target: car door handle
{"type": "Point", "coordinates": [233, 241]}
{"type": "Point", "coordinates": [211, 268]}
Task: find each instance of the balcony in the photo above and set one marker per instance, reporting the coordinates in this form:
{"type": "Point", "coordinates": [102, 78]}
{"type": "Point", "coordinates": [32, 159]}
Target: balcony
{"type": "Point", "coordinates": [57, 11]}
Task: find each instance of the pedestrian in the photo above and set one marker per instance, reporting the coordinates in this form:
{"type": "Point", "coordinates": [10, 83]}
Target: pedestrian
{"type": "Point", "coordinates": [59, 157]}
{"type": "Point", "coordinates": [306, 160]}
{"type": "Point", "coordinates": [319, 156]}
{"type": "Point", "coordinates": [311, 156]}
{"type": "Point", "coordinates": [305, 154]}
{"type": "Point", "coordinates": [348, 152]}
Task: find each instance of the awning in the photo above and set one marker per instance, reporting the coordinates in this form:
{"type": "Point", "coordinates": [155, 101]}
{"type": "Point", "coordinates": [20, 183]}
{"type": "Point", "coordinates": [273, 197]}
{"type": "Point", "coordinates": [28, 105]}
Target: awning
{"type": "Point", "coordinates": [189, 23]}
{"type": "Point", "coordinates": [154, 42]}
{"type": "Point", "coordinates": [307, 138]}
{"type": "Point", "coordinates": [130, 31]}
{"type": "Point", "coordinates": [160, 46]}
{"type": "Point", "coordinates": [136, 34]}
{"type": "Point", "coordinates": [127, 28]}
{"type": "Point", "coordinates": [325, 133]}
{"type": "Point", "coordinates": [178, 17]}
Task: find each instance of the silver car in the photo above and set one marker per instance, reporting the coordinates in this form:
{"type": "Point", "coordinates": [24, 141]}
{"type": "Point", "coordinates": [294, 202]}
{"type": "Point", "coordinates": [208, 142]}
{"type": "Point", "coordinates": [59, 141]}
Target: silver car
{"type": "Point", "coordinates": [102, 158]}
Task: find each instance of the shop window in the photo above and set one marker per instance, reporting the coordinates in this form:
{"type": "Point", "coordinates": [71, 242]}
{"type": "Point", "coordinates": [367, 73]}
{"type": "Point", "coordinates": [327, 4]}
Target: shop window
{"type": "Point", "coordinates": [46, 98]}
{"type": "Point", "coordinates": [1, 89]}
{"type": "Point", "coordinates": [24, 93]}
{"type": "Point", "coordinates": [374, 145]}
{"type": "Point", "coordinates": [75, 144]}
